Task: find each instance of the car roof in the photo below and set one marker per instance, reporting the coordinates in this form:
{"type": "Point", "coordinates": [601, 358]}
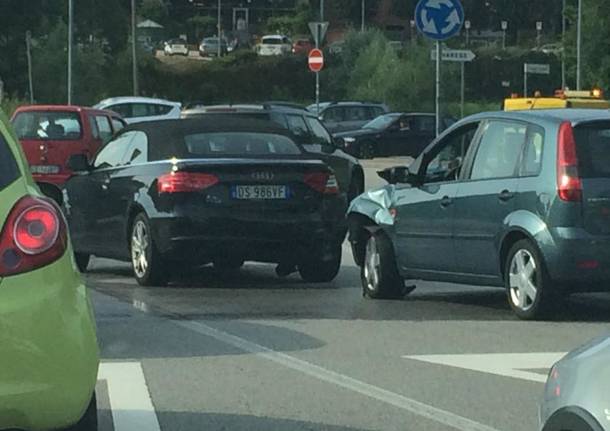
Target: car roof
{"type": "Point", "coordinates": [247, 108]}
{"type": "Point", "coordinates": [134, 99]}
{"type": "Point", "coordinates": [64, 108]}
{"type": "Point", "coordinates": [349, 103]}
{"type": "Point", "coordinates": [554, 115]}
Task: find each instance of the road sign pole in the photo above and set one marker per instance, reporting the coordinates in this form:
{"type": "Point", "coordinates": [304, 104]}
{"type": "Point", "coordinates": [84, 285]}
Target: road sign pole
{"type": "Point", "coordinates": [438, 88]}
{"type": "Point", "coordinates": [579, 45]}
{"type": "Point", "coordinates": [70, 36]}
{"type": "Point", "coordinates": [28, 45]}
{"type": "Point", "coordinates": [318, 92]}
{"type": "Point", "coordinates": [525, 80]}
{"type": "Point", "coordinates": [463, 88]}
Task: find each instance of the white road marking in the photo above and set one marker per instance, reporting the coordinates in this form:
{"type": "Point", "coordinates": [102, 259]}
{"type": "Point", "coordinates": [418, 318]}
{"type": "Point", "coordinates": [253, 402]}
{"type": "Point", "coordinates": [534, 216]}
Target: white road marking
{"type": "Point", "coordinates": [130, 401]}
{"type": "Point", "coordinates": [413, 406]}
{"type": "Point", "coordinates": [503, 364]}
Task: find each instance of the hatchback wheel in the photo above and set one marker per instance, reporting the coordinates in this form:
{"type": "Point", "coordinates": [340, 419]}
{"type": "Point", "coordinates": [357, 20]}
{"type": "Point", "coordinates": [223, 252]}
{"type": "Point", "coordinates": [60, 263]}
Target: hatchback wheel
{"type": "Point", "coordinates": [148, 266]}
{"type": "Point", "coordinates": [528, 285]}
{"type": "Point", "coordinates": [89, 420]}
{"type": "Point", "coordinates": [318, 270]}
{"type": "Point", "coordinates": [379, 273]}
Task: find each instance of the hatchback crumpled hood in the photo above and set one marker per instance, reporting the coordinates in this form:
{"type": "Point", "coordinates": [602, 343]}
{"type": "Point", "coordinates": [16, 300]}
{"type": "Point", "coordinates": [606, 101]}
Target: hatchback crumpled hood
{"type": "Point", "coordinates": [375, 204]}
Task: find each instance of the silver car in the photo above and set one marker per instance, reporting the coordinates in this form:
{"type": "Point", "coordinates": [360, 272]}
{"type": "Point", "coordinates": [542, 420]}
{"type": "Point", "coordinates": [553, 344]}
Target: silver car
{"type": "Point", "coordinates": [576, 395]}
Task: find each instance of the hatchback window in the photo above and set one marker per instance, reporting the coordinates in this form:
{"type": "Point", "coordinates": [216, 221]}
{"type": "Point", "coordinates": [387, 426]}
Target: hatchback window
{"type": "Point", "coordinates": [141, 110]}
{"type": "Point", "coordinates": [112, 154]}
{"type": "Point", "coordinates": [499, 150]}
{"type": "Point", "coordinates": [334, 114]}
{"type": "Point", "coordinates": [322, 136]}
{"type": "Point", "coordinates": [117, 125]}
{"type": "Point", "coordinates": [447, 165]}
{"type": "Point", "coordinates": [532, 152]}
{"type": "Point", "coordinates": [138, 149]}
{"type": "Point", "coordinates": [593, 147]}
{"type": "Point", "coordinates": [239, 144]}
{"type": "Point", "coordinates": [8, 167]}
{"type": "Point", "coordinates": [124, 109]}
{"type": "Point", "coordinates": [104, 127]}
{"type": "Point", "coordinates": [297, 125]}
{"type": "Point", "coordinates": [424, 124]}
{"type": "Point", "coordinates": [56, 126]}
{"type": "Point", "coordinates": [356, 113]}
{"type": "Point", "coordinates": [160, 109]}
{"type": "Point", "coordinates": [94, 130]}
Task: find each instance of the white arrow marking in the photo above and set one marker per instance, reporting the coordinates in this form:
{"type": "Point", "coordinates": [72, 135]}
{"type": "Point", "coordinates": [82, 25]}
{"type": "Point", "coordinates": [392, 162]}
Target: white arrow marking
{"type": "Point", "coordinates": [436, 4]}
{"type": "Point", "coordinates": [453, 20]}
{"type": "Point", "coordinates": [502, 364]}
{"type": "Point", "coordinates": [429, 25]}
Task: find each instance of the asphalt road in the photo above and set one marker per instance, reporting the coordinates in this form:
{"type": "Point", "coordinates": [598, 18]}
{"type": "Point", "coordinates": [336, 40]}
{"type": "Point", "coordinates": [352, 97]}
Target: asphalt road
{"type": "Point", "coordinates": [249, 351]}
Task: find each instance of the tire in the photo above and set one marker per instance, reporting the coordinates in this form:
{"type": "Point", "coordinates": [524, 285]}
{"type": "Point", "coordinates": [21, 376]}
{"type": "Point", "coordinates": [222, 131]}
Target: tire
{"type": "Point", "coordinates": [228, 264]}
{"type": "Point", "coordinates": [528, 285]}
{"type": "Point", "coordinates": [366, 150]}
{"type": "Point", "coordinates": [149, 268]}
{"type": "Point", "coordinates": [317, 270]}
{"type": "Point", "coordinates": [379, 273]}
{"type": "Point", "coordinates": [82, 261]}
{"type": "Point", "coordinates": [89, 420]}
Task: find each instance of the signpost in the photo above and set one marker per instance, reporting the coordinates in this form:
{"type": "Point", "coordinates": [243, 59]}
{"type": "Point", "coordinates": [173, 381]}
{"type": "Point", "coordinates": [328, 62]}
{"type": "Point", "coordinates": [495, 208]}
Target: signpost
{"type": "Point", "coordinates": [535, 69]}
{"type": "Point", "coordinates": [462, 56]}
{"type": "Point", "coordinates": [318, 31]}
{"type": "Point", "coordinates": [439, 20]}
{"type": "Point", "coordinates": [504, 28]}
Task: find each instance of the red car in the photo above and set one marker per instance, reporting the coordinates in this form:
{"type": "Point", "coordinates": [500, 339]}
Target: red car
{"type": "Point", "coordinates": [51, 134]}
{"type": "Point", "coordinates": [302, 46]}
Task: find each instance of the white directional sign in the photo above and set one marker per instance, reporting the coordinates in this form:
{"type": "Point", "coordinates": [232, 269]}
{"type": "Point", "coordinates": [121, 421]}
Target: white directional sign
{"type": "Point", "coordinates": [537, 69]}
{"type": "Point", "coordinates": [318, 31]}
{"type": "Point", "coordinates": [456, 55]}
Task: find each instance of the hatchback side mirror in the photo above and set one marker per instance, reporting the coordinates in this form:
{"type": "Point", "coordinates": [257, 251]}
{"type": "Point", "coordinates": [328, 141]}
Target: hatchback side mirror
{"type": "Point", "coordinates": [399, 175]}
{"type": "Point", "coordinates": [339, 142]}
{"type": "Point", "coordinates": [79, 163]}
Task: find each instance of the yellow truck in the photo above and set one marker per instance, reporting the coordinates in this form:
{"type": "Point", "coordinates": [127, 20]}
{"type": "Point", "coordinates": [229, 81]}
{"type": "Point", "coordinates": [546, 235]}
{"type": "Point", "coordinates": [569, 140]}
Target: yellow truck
{"type": "Point", "coordinates": [563, 99]}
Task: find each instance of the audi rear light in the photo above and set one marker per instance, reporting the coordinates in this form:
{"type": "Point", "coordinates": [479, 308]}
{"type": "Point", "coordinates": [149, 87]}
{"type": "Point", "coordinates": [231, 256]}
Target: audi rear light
{"type": "Point", "coordinates": [34, 235]}
{"type": "Point", "coordinates": [185, 182]}
{"type": "Point", "coordinates": [322, 182]}
{"type": "Point", "coordinates": [569, 185]}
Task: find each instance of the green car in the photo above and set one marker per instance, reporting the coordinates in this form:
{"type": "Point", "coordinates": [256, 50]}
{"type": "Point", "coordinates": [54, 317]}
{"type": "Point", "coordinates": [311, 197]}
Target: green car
{"type": "Point", "coordinates": [49, 361]}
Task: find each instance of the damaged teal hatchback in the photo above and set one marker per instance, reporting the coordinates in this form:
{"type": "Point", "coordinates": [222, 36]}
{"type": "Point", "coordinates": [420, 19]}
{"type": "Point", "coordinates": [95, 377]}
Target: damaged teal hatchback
{"type": "Point", "coordinates": [513, 199]}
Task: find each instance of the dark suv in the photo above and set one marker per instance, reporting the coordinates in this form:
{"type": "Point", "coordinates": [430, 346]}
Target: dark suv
{"type": "Point", "coordinates": [520, 200]}
{"type": "Point", "coordinates": [307, 130]}
{"type": "Point", "coordinates": [344, 116]}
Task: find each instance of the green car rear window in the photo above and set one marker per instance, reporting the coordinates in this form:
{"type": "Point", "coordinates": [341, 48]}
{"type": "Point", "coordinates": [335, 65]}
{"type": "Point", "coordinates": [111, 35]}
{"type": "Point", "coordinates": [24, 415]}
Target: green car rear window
{"type": "Point", "coordinates": [593, 147]}
{"type": "Point", "coordinates": [8, 167]}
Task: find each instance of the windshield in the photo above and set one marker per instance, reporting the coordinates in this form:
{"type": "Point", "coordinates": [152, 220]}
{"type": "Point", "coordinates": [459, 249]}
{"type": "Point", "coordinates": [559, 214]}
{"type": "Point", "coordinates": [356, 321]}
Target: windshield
{"type": "Point", "coordinates": [56, 126]}
{"type": "Point", "coordinates": [381, 123]}
{"type": "Point", "coordinates": [272, 41]}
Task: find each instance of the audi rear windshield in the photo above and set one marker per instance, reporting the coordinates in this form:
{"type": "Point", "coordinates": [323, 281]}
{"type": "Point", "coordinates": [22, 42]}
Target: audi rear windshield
{"type": "Point", "coordinates": [47, 125]}
{"type": "Point", "coordinates": [593, 147]}
{"type": "Point", "coordinates": [8, 167]}
{"type": "Point", "coordinates": [232, 144]}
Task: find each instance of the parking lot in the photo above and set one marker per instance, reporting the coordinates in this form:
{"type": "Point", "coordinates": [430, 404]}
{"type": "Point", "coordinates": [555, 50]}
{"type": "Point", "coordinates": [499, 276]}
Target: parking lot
{"type": "Point", "coordinates": [252, 351]}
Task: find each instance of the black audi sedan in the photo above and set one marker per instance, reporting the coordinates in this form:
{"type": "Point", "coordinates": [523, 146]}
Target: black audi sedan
{"type": "Point", "coordinates": [394, 134]}
{"type": "Point", "coordinates": [171, 193]}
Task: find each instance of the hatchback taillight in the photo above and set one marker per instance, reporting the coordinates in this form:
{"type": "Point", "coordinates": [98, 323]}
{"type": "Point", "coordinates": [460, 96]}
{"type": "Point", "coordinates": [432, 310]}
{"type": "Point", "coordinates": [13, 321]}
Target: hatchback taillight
{"type": "Point", "coordinates": [322, 182]}
{"type": "Point", "coordinates": [184, 182]}
{"type": "Point", "coordinates": [34, 235]}
{"type": "Point", "coordinates": [569, 185]}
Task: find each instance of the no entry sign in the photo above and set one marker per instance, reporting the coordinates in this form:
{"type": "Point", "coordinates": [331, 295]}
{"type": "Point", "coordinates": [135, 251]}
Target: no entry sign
{"type": "Point", "coordinates": [316, 60]}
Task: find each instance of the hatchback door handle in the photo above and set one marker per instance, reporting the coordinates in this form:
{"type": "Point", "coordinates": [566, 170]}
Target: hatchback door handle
{"type": "Point", "coordinates": [506, 195]}
{"type": "Point", "coordinates": [446, 201]}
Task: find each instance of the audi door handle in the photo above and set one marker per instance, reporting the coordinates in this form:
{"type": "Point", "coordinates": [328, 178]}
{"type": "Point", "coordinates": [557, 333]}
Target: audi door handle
{"type": "Point", "coordinates": [446, 201]}
{"type": "Point", "coordinates": [505, 195]}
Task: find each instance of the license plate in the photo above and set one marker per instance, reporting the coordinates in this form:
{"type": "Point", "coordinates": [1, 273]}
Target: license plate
{"type": "Point", "coordinates": [44, 169]}
{"type": "Point", "coordinates": [259, 192]}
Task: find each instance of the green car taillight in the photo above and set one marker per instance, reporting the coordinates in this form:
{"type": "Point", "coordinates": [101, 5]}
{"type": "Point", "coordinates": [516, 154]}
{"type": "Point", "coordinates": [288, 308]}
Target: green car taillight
{"type": "Point", "coordinates": [34, 235]}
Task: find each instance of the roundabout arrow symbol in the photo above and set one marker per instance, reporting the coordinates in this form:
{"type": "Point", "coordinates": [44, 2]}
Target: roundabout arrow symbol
{"type": "Point", "coordinates": [453, 20]}
{"type": "Point", "coordinates": [429, 25]}
{"type": "Point", "coordinates": [436, 4]}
